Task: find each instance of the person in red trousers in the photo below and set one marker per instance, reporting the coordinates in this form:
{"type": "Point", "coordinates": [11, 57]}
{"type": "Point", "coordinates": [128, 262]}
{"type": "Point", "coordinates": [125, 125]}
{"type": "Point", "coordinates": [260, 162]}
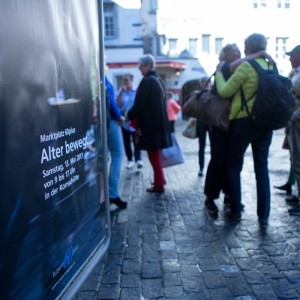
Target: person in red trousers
{"type": "Point", "coordinates": [149, 114]}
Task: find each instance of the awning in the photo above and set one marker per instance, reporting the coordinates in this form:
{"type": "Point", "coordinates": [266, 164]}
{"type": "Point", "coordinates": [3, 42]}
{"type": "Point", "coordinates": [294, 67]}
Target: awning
{"type": "Point", "coordinates": [160, 64]}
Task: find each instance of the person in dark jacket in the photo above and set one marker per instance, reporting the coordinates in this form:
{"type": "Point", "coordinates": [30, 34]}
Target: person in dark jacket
{"type": "Point", "coordinates": [149, 113]}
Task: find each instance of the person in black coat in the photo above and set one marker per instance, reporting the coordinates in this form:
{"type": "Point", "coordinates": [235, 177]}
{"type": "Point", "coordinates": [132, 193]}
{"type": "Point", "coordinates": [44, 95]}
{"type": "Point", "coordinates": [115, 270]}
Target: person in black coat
{"type": "Point", "coordinates": [149, 115]}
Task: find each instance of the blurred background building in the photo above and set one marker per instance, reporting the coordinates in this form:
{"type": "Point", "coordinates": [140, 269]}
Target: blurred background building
{"type": "Point", "coordinates": [187, 36]}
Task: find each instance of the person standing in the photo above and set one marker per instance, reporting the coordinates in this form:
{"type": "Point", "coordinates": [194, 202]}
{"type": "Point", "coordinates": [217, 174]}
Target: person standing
{"type": "Point", "coordinates": [173, 108]}
{"type": "Point", "coordinates": [115, 146]}
{"type": "Point", "coordinates": [293, 129]}
{"type": "Point", "coordinates": [202, 128]}
{"type": "Point", "coordinates": [149, 113]}
{"type": "Point", "coordinates": [125, 100]}
{"type": "Point", "coordinates": [243, 133]}
{"type": "Point", "coordinates": [216, 177]}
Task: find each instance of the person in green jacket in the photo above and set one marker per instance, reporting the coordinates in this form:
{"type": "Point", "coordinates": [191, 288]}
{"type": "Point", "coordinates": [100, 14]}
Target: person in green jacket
{"type": "Point", "coordinates": [243, 133]}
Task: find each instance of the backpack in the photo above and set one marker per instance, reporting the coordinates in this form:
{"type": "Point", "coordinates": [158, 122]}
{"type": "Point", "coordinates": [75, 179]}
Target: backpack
{"type": "Point", "coordinates": [274, 103]}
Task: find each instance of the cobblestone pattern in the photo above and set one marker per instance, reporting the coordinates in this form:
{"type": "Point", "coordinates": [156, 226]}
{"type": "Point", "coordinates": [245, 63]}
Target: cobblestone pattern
{"type": "Point", "coordinates": [168, 247]}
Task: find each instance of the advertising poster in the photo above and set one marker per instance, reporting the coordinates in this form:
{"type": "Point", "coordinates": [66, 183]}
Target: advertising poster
{"type": "Point", "coordinates": [52, 189]}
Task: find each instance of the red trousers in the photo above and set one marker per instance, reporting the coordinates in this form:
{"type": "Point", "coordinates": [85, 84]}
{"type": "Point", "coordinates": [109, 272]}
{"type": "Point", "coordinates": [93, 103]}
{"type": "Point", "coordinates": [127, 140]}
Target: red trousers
{"type": "Point", "coordinates": [154, 158]}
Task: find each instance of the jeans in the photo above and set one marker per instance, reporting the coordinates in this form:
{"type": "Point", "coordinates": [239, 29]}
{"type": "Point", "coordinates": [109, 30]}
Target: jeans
{"type": "Point", "coordinates": [172, 126]}
{"type": "Point", "coordinates": [129, 139]}
{"type": "Point", "coordinates": [243, 133]}
{"type": "Point", "coordinates": [115, 148]}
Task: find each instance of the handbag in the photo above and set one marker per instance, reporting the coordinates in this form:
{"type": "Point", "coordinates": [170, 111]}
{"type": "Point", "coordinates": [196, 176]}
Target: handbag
{"type": "Point", "coordinates": [190, 131]}
{"type": "Point", "coordinates": [208, 107]}
{"type": "Point", "coordinates": [173, 155]}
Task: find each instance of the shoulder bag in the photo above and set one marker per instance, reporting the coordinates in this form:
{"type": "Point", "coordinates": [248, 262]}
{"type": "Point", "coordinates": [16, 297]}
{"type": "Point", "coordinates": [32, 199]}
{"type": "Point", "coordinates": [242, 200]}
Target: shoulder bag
{"type": "Point", "coordinates": [208, 107]}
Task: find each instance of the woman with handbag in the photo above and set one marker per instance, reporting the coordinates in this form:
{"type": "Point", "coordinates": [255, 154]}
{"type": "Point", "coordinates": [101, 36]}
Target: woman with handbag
{"type": "Point", "coordinates": [216, 177]}
{"type": "Point", "coordinates": [243, 133]}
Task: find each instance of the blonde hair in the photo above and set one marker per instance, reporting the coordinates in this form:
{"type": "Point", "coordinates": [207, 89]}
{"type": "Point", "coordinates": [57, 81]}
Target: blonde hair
{"type": "Point", "coordinates": [226, 50]}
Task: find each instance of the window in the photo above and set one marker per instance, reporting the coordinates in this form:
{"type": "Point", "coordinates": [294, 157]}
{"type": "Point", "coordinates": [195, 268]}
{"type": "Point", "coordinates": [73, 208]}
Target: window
{"type": "Point", "coordinates": [173, 47]}
{"type": "Point", "coordinates": [280, 47]}
{"type": "Point", "coordinates": [218, 45]}
{"type": "Point", "coordinates": [153, 6]}
{"type": "Point", "coordinates": [109, 21]}
{"type": "Point", "coordinates": [259, 3]}
{"type": "Point", "coordinates": [205, 43]}
{"type": "Point", "coordinates": [283, 4]}
{"type": "Point", "coordinates": [193, 47]}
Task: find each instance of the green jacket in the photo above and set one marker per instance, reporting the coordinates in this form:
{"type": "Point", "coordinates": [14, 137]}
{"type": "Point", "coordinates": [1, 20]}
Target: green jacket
{"type": "Point", "coordinates": [247, 78]}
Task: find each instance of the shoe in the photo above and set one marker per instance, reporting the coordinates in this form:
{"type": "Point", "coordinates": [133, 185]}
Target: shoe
{"type": "Point", "coordinates": [286, 187]}
{"type": "Point", "coordinates": [295, 211]}
{"type": "Point", "coordinates": [200, 174]}
{"type": "Point", "coordinates": [154, 189]}
{"type": "Point", "coordinates": [211, 207]}
{"type": "Point", "coordinates": [292, 199]}
{"type": "Point", "coordinates": [263, 222]}
{"type": "Point", "coordinates": [139, 164]}
{"type": "Point", "coordinates": [117, 201]}
{"type": "Point", "coordinates": [226, 201]}
{"type": "Point", "coordinates": [130, 164]}
{"type": "Point", "coordinates": [233, 217]}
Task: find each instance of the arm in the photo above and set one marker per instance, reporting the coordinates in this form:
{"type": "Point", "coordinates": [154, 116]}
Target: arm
{"type": "Point", "coordinates": [262, 53]}
{"type": "Point", "coordinates": [176, 107]}
{"type": "Point", "coordinates": [228, 88]}
{"type": "Point", "coordinates": [119, 96]}
{"type": "Point", "coordinates": [113, 108]}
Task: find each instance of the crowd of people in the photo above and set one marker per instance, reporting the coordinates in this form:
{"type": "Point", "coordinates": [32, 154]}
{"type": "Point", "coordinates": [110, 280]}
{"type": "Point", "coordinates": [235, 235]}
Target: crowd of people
{"type": "Point", "coordinates": [147, 116]}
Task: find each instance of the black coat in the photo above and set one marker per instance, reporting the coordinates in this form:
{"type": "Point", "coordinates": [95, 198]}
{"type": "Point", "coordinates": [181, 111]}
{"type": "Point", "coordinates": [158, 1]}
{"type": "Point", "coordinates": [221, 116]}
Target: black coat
{"type": "Point", "coordinates": [150, 111]}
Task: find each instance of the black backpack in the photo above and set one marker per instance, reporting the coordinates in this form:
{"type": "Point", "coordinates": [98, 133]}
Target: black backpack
{"type": "Point", "coordinates": [274, 102]}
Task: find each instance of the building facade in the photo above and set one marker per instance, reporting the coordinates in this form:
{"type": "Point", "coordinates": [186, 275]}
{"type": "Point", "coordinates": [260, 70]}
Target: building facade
{"type": "Point", "coordinates": [186, 37]}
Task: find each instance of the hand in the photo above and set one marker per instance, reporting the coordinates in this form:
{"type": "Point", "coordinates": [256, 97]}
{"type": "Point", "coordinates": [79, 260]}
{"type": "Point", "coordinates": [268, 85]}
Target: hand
{"type": "Point", "coordinates": [121, 121]}
{"type": "Point", "coordinates": [95, 119]}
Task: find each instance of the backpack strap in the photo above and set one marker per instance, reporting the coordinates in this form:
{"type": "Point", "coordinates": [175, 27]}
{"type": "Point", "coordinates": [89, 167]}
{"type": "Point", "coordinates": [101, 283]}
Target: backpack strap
{"type": "Point", "coordinates": [244, 102]}
{"type": "Point", "coordinates": [259, 69]}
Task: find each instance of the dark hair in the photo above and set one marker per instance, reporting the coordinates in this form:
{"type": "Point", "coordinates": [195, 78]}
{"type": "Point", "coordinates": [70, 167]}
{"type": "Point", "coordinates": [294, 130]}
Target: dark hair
{"type": "Point", "coordinates": [255, 42]}
{"type": "Point", "coordinates": [128, 75]}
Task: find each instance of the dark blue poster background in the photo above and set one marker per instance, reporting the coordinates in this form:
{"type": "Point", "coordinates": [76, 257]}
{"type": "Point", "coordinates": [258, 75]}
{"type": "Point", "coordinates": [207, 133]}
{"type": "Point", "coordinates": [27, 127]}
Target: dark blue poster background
{"type": "Point", "coordinates": [52, 200]}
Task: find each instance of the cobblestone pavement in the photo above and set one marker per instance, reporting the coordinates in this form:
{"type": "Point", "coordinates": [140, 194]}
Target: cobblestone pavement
{"type": "Point", "coordinates": [168, 247]}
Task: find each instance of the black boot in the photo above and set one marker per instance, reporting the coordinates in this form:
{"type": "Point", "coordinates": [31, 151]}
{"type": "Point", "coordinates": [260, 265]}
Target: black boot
{"type": "Point", "coordinates": [117, 201]}
{"type": "Point", "coordinates": [286, 187]}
